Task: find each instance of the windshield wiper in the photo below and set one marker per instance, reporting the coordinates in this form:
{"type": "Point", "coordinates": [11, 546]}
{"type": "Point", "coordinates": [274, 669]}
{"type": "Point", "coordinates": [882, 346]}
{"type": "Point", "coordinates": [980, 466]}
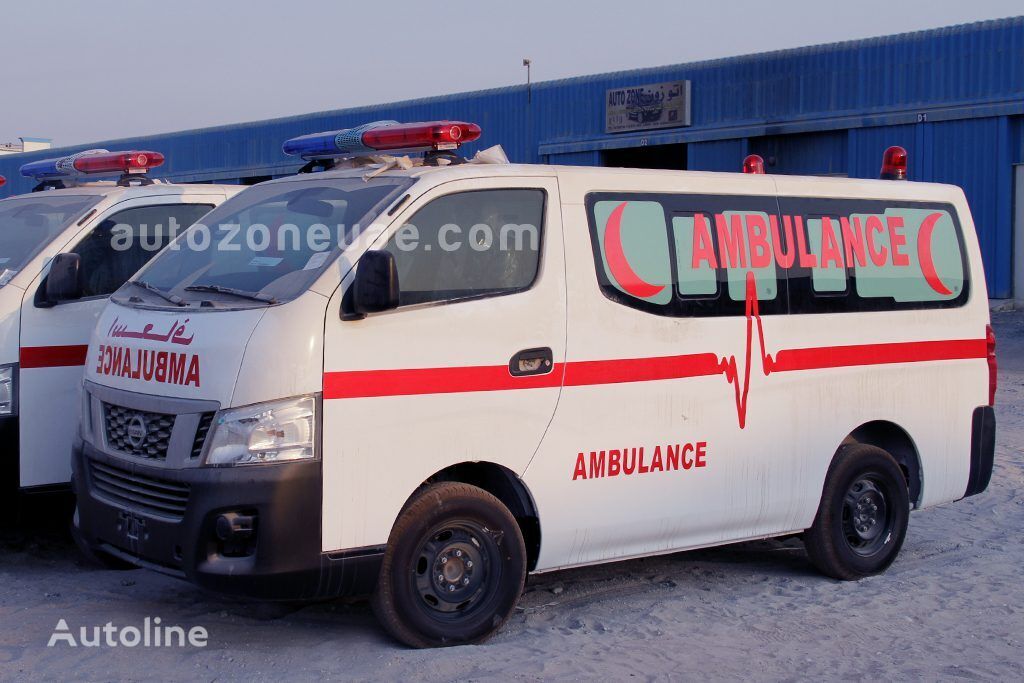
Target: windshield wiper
{"type": "Point", "coordinates": [166, 296]}
{"type": "Point", "coordinates": [255, 296]}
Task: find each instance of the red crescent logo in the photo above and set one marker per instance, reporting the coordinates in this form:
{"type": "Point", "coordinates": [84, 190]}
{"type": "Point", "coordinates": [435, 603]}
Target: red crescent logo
{"type": "Point", "coordinates": [623, 273]}
{"type": "Point", "coordinates": [924, 255]}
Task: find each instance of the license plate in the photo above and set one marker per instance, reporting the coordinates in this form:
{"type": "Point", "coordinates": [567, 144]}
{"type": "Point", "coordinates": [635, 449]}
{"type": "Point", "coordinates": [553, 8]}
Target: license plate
{"type": "Point", "coordinates": [132, 526]}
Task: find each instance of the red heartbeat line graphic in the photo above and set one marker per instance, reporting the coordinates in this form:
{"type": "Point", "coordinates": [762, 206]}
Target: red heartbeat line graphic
{"type": "Point", "coordinates": [727, 366]}
{"type": "Point", "coordinates": [823, 357]}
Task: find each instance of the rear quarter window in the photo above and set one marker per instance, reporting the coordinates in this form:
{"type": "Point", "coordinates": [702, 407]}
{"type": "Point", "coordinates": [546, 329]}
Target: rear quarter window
{"type": "Point", "coordinates": [914, 256]}
{"type": "Point", "coordinates": [877, 256]}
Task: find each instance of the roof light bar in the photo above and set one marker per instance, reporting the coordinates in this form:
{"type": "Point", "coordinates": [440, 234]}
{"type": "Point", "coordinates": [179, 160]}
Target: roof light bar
{"type": "Point", "coordinates": [383, 136]}
{"type": "Point", "coordinates": [119, 162]}
{"type": "Point", "coordinates": [894, 164]}
{"type": "Point", "coordinates": [753, 163]}
{"type": "Point", "coordinates": [93, 162]}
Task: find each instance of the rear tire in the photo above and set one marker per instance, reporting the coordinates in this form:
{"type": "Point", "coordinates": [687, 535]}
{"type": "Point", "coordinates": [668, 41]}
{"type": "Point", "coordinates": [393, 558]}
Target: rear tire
{"type": "Point", "coordinates": [454, 568]}
{"type": "Point", "coordinates": [863, 514]}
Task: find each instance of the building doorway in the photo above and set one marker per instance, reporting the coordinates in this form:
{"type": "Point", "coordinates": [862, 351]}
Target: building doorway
{"type": "Point", "coordinates": [669, 157]}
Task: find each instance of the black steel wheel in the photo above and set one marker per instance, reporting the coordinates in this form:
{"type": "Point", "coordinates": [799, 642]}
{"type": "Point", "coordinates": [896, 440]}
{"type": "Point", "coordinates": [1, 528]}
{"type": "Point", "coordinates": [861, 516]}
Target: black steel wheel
{"type": "Point", "coordinates": [458, 569]}
{"type": "Point", "coordinates": [453, 569]}
{"type": "Point", "coordinates": [863, 514]}
{"type": "Point", "coordinates": [867, 519]}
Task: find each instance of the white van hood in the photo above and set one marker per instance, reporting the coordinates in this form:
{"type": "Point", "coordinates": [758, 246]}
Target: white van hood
{"type": "Point", "coordinates": [181, 353]}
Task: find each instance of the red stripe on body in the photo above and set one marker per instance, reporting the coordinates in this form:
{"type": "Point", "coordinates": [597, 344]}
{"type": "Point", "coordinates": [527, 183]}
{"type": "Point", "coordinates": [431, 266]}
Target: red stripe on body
{"type": "Point", "coordinates": [878, 354]}
{"type": "Point", "coordinates": [589, 372]}
{"type": "Point", "coordinates": [369, 383]}
{"type": "Point", "coordinates": [53, 356]}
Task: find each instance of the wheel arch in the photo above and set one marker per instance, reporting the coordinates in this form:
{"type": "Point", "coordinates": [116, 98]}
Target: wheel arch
{"type": "Point", "coordinates": [895, 440]}
{"type": "Point", "coordinates": [506, 486]}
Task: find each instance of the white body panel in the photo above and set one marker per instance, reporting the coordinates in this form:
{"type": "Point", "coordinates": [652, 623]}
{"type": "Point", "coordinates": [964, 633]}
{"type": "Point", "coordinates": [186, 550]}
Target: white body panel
{"type": "Point", "coordinates": [760, 478]}
{"type": "Point", "coordinates": [505, 426]}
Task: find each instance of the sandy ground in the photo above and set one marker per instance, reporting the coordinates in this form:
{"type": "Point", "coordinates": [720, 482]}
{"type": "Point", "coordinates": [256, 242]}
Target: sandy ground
{"type": "Point", "coordinates": [951, 607]}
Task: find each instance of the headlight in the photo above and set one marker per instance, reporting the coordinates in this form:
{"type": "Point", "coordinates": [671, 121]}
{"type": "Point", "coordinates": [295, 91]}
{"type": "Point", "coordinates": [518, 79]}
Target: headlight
{"type": "Point", "coordinates": [7, 391]}
{"type": "Point", "coordinates": [276, 431]}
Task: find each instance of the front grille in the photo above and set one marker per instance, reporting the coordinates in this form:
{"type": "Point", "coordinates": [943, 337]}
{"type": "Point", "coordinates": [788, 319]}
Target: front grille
{"type": "Point", "coordinates": [205, 422]}
{"type": "Point", "coordinates": [139, 492]}
{"type": "Point", "coordinates": [138, 433]}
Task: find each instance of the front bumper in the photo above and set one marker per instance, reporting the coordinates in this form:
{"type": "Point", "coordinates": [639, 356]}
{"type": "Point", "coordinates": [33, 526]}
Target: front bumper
{"type": "Point", "coordinates": [10, 464]}
{"type": "Point", "coordinates": [166, 519]}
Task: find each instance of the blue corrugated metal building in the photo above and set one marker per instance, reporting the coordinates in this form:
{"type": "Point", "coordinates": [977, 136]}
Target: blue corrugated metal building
{"type": "Point", "coordinates": [954, 97]}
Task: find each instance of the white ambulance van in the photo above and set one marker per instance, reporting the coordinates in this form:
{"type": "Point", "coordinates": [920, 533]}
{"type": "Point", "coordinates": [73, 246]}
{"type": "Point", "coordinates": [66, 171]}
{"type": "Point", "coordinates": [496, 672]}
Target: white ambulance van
{"type": "Point", "coordinates": [503, 369]}
{"type": "Point", "coordinates": [63, 250]}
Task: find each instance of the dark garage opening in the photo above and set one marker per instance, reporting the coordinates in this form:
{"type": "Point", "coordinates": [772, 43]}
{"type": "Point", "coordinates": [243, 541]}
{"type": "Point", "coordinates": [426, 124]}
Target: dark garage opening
{"type": "Point", "coordinates": [671, 157]}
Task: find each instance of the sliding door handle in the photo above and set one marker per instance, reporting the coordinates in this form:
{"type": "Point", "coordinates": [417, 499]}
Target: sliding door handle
{"type": "Point", "coordinates": [531, 362]}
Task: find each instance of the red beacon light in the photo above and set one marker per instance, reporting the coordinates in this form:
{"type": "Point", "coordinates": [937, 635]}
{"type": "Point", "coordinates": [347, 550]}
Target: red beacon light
{"type": "Point", "coordinates": [753, 164]}
{"type": "Point", "coordinates": [118, 162]}
{"type": "Point", "coordinates": [439, 136]}
{"type": "Point", "coordinates": [3, 181]}
{"type": "Point", "coordinates": [894, 164]}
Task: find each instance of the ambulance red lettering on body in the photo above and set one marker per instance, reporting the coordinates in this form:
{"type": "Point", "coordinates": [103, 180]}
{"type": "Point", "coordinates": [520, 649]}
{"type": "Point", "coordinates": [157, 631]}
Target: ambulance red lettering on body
{"type": "Point", "coordinates": [849, 243]}
{"type": "Point", "coordinates": [627, 461]}
{"type": "Point", "coordinates": [678, 360]}
{"type": "Point", "coordinates": [162, 367]}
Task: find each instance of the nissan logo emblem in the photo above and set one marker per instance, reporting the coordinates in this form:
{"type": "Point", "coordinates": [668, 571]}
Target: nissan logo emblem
{"type": "Point", "coordinates": [137, 431]}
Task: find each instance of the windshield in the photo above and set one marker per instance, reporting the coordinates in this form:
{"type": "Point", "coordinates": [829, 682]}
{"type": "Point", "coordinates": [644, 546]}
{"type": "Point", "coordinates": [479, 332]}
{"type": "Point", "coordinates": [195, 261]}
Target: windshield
{"type": "Point", "coordinates": [29, 223]}
{"type": "Point", "coordinates": [265, 245]}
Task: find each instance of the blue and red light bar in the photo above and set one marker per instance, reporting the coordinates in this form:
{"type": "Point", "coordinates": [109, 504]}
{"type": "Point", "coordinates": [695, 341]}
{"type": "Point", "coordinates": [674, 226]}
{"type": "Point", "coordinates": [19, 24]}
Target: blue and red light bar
{"type": "Point", "coordinates": [93, 162]}
{"type": "Point", "coordinates": [383, 136]}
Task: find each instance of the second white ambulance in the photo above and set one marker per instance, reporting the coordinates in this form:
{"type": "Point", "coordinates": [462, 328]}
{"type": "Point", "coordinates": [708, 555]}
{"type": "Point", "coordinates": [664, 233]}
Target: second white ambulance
{"type": "Point", "coordinates": [63, 250]}
{"type": "Point", "coordinates": [501, 369]}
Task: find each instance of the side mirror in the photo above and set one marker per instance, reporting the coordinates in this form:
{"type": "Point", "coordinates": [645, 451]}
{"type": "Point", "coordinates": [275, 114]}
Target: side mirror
{"type": "Point", "coordinates": [375, 288]}
{"type": "Point", "coordinates": [64, 282]}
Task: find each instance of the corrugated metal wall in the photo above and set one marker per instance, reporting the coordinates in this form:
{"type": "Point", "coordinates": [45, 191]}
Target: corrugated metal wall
{"type": "Point", "coordinates": [954, 97]}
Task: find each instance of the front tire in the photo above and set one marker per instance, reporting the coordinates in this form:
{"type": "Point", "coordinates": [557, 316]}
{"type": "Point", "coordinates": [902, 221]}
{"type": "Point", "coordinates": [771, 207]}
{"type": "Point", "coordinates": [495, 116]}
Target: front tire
{"type": "Point", "coordinates": [454, 568]}
{"type": "Point", "coordinates": [863, 514]}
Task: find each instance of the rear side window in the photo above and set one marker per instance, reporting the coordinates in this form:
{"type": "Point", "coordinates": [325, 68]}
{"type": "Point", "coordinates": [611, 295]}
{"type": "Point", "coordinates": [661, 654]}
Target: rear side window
{"type": "Point", "coordinates": [634, 249]}
{"type": "Point", "coordinates": [877, 256]}
{"type": "Point", "coordinates": [681, 255]}
{"type": "Point", "coordinates": [914, 255]}
{"type": "Point", "coordinates": [470, 245]}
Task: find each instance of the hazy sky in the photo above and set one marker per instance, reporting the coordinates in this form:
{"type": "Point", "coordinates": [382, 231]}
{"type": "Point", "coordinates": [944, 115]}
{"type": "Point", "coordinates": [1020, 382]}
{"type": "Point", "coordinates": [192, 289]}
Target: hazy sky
{"type": "Point", "coordinates": [87, 71]}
